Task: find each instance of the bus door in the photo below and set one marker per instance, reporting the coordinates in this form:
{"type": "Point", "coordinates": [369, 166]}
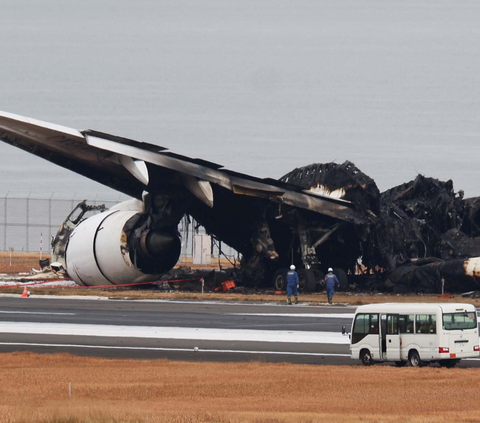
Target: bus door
{"type": "Point", "coordinates": [392, 338]}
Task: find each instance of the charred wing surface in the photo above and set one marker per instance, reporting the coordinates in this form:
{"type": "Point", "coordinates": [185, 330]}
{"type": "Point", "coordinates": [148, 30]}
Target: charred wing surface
{"type": "Point", "coordinates": [67, 147]}
{"type": "Point", "coordinates": [272, 231]}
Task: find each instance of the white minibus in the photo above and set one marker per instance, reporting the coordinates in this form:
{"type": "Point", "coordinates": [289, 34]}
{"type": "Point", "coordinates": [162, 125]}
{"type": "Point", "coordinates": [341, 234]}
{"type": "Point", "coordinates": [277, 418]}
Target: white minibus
{"type": "Point", "coordinates": [414, 333]}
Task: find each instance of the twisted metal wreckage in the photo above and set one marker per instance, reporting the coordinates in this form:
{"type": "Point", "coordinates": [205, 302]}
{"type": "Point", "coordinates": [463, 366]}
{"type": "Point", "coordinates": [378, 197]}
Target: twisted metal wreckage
{"type": "Point", "coordinates": [409, 238]}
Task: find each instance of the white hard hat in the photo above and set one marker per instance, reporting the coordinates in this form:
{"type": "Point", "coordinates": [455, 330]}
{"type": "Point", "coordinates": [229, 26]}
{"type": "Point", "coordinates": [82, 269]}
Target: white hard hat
{"type": "Point", "coordinates": [292, 267]}
{"type": "Point", "coordinates": [330, 269]}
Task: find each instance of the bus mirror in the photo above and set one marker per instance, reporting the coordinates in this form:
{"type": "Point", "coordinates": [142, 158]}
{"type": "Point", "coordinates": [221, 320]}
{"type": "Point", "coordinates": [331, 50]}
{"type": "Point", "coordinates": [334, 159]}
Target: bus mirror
{"type": "Point", "coordinates": [344, 330]}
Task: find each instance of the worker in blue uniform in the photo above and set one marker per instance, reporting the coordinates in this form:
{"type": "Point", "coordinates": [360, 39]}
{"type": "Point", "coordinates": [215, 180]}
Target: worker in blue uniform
{"type": "Point", "coordinates": [292, 285]}
{"type": "Point", "coordinates": [331, 282]}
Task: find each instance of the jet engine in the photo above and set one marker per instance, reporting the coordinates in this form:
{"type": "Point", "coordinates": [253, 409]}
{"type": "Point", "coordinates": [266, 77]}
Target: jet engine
{"type": "Point", "coordinates": [122, 245]}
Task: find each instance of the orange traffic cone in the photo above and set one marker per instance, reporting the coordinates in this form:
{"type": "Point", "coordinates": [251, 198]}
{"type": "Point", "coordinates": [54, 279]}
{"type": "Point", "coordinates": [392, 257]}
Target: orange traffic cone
{"type": "Point", "coordinates": [25, 293]}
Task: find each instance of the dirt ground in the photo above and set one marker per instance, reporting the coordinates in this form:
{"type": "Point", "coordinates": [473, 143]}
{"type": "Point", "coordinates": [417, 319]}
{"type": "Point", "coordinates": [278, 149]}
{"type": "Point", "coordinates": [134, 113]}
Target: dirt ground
{"type": "Point", "coordinates": [17, 262]}
{"type": "Point", "coordinates": [64, 388]}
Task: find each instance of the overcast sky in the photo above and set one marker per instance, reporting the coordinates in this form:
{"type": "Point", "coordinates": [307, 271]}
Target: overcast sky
{"type": "Point", "coordinates": [261, 87]}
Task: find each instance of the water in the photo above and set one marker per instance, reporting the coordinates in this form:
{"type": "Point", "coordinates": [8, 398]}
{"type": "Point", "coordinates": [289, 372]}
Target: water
{"type": "Point", "coordinates": [260, 87]}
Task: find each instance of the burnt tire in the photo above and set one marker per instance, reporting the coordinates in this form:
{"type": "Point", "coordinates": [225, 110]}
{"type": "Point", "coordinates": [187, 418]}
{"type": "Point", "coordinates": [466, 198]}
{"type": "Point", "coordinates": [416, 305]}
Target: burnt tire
{"type": "Point", "coordinates": [342, 279]}
{"type": "Point", "coordinates": [414, 359]}
{"type": "Point", "coordinates": [366, 358]}
{"type": "Point", "coordinates": [280, 280]}
{"type": "Point", "coordinates": [307, 280]}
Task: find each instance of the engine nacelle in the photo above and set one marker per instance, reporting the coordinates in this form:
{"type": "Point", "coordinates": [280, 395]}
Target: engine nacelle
{"type": "Point", "coordinates": [99, 252]}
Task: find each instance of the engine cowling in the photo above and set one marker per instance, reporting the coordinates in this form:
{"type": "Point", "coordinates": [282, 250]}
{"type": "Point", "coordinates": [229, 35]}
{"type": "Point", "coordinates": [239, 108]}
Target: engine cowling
{"type": "Point", "coordinates": [99, 252]}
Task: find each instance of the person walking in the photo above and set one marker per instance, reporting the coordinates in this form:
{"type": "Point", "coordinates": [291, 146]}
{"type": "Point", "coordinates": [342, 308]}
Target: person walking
{"type": "Point", "coordinates": [292, 285]}
{"type": "Point", "coordinates": [331, 283]}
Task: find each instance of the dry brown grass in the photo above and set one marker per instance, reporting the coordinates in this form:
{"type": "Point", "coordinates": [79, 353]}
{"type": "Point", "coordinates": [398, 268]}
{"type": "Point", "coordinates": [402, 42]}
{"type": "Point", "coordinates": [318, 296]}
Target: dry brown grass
{"type": "Point", "coordinates": [34, 388]}
{"type": "Point", "coordinates": [310, 299]}
{"type": "Point", "coordinates": [23, 262]}
{"type": "Point", "coordinates": [19, 262]}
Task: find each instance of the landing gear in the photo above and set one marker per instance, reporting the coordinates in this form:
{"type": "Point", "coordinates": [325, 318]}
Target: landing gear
{"type": "Point", "coordinates": [307, 280]}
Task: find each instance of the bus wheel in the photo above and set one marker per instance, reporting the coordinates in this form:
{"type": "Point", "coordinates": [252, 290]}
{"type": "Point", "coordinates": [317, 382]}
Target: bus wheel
{"type": "Point", "coordinates": [400, 363]}
{"type": "Point", "coordinates": [414, 359]}
{"type": "Point", "coordinates": [449, 364]}
{"type": "Point", "coordinates": [366, 358]}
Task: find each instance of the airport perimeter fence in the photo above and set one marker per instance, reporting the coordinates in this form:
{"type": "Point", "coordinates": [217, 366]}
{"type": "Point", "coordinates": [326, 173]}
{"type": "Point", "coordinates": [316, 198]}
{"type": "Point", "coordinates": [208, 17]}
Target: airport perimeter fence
{"type": "Point", "coordinates": [28, 223]}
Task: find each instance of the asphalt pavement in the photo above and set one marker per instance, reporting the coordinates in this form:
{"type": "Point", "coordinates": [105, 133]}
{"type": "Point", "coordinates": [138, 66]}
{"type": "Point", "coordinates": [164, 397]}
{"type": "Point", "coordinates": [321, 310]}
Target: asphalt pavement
{"type": "Point", "coordinates": [178, 330]}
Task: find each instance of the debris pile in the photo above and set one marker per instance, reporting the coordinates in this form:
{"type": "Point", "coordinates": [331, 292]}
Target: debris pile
{"type": "Point", "coordinates": [420, 232]}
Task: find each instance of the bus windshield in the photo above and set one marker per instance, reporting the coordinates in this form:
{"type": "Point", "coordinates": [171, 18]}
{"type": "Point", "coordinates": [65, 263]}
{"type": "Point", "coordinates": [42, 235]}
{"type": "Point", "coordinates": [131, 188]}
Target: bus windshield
{"type": "Point", "coordinates": [464, 320]}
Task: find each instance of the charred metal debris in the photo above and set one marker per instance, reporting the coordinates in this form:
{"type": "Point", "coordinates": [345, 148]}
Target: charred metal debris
{"type": "Point", "coordinates": [421, 233]}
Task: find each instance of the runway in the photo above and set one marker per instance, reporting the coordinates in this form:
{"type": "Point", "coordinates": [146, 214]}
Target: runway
{"type": "Point", "coordinates": [178, 330]}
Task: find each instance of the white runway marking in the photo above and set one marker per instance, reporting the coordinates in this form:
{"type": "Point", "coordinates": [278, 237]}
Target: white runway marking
{"type": "Point", "coordinates": [37, 312]}
{"type": "Point", "coordinates": [175, 333]}
{"type": "Point", "coordinates": [200, 350]}
{"type": "Point", "coordinates": [319, 315]}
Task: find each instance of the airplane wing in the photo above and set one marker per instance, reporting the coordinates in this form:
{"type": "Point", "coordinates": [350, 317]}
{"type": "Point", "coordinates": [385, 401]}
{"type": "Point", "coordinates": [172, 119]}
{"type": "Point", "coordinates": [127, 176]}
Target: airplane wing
{"type": "Point", "coordinates": [132, 167]}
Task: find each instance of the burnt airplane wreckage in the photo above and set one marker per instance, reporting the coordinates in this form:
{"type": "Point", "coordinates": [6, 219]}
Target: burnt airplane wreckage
{"type": "Point", "coordinates": [406, 239]}
{"type": "Point", "coordinates": [419, 235]}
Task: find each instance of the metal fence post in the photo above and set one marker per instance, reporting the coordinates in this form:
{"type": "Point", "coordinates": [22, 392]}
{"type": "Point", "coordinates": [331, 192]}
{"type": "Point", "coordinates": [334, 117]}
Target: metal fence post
{"type": "Point", "coordinates": [50, 223]}
{"type": "Point", "coordinates": [28, 219]}
{"type": "Point", "coordinates": [5, 224]}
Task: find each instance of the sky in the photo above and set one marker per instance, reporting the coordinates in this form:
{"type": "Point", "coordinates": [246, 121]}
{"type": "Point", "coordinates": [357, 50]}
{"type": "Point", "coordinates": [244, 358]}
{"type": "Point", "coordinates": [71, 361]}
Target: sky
{"type": "Point", "coordinates": [261, 87]}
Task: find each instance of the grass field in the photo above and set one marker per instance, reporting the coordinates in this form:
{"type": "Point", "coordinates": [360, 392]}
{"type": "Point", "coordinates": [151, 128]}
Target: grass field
{"type": "Point", "coordinates": [35, 388]}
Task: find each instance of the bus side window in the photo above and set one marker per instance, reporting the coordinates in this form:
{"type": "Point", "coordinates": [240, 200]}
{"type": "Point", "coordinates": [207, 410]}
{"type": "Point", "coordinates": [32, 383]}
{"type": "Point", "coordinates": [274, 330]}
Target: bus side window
{"type": "Point", "coordinates": [426, 323]}
{"type": "Point", "coordinates": [409, 321]}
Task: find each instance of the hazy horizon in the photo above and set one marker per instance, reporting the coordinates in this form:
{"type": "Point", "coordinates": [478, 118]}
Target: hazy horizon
{"type": "Point", "coordinates": [259, 87]}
